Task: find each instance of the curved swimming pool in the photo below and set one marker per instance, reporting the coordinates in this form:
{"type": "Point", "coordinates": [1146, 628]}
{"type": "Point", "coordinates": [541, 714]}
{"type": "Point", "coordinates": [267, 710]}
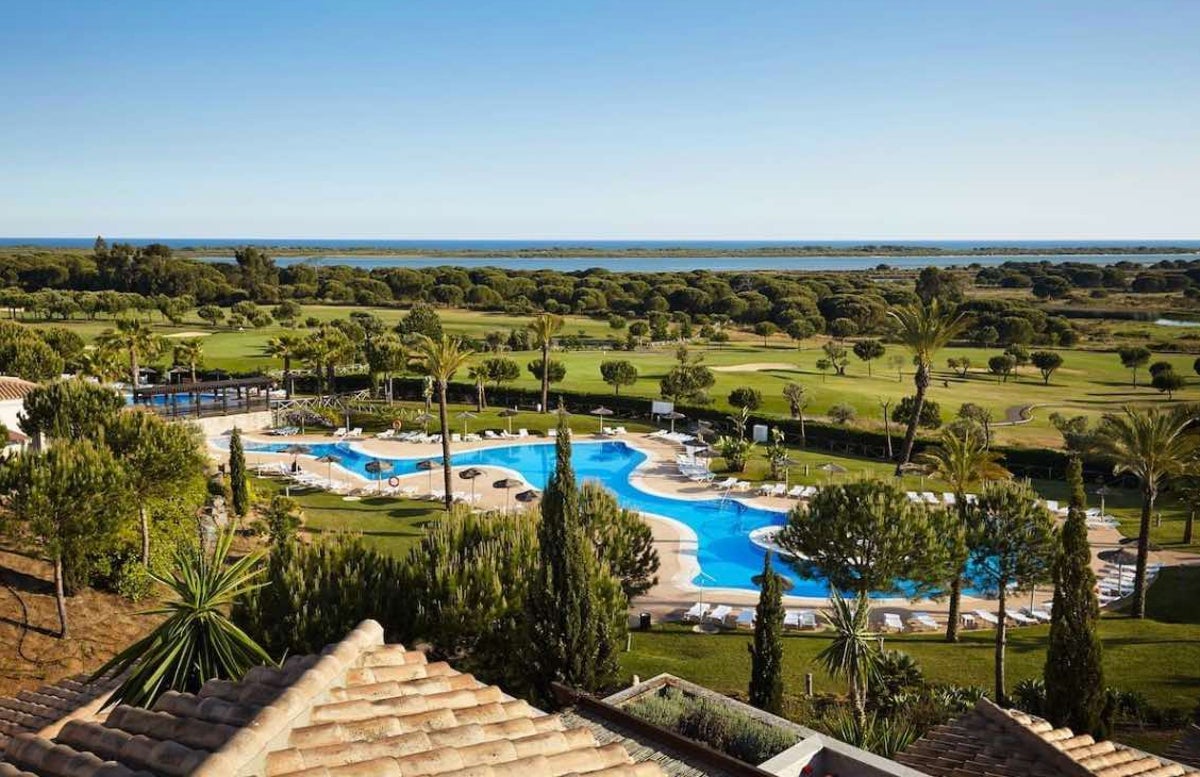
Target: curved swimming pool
{"type": "Point", "coordinates": [726, 556]}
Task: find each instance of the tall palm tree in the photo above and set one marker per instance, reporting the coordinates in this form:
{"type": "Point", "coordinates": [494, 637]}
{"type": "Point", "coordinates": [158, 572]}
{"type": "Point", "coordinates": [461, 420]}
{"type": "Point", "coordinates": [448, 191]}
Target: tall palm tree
{"type": "Point", "coordinates": [286, 346]}
{"type": "Point", "coordinates": [961, 460]}
{"type": "Point", "coordinates": [923, 330]}
{"type": "Point", "coordinates": [100, 363]}
{"type": "Point", "coordinates": [440, 359]}
{"type": "Point", "coordinates": [324, 350]}
{"type": "Point", "coordinates": [191, 353]}
{"type": "Point", "coordinates": [135, 337]}
{"type": "Point", "coordinates": [544, 328]}
{"type": "Point", "coordinates": [479, 376]}
{"type": "Point", "coordinates": [853, 653]}
{"type": "Point", "coordinates": [197, 642]}
{"type": "Point", "coordinates": [1152, 445]}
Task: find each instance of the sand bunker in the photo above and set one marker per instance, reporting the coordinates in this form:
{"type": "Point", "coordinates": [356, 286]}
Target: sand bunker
{"type": "Point", "coordinates": [755, 367]}
{"type": "Point", "coordinates": [189, 334]}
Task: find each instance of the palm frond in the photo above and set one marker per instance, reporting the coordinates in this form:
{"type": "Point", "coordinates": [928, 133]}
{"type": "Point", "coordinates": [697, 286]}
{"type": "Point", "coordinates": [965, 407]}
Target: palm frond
{"type": "Point", "coordinates": [197, 642]}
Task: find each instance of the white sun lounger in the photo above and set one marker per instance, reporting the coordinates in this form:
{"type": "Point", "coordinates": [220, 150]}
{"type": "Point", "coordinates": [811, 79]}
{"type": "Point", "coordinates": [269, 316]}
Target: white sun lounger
{"type": "Point", "coordinates": [726, 484]}
{"type": "Point", "coordinates": [930, 498]}
{"type": "Point", "coordinates": [800, 619]}
{"type": "Point", "coordinates": [949, 499]}
{"type": "Point", "coordinates": [522, 433]}
{"type": "Point", "coordinates": [746, 617]}
{"type": "Point", "coordinates": [386, 434]}
{"type": "Point", "coordinates": [892, 622]}
{"type": "Point", "coordinates": [720, 613]}
{"type": "Point", "coordinates": [1021, 619]}
{"type": "Point", "coordinates": [913, 496]}
{"type": "Point", "coordinates": [987, 617]}
{"type": "Point", "coordinates": [779, 490]}
{"type": "Point", "coordinates": [796, 492]}
{"type": "Point", "coordinates": [339, 432]}
{"type": "Point", "coordinates": [923, 620]}
{"type": "Point", "coordinates": [1042, 616]}
{"type": "Point", "coordinates": [766, 488]}
{"type": "Point", "coordinates": [697, 612]}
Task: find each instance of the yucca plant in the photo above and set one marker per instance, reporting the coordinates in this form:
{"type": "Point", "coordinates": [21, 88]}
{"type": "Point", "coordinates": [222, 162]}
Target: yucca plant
{"type": "Point", "coordinates": [853, 653]}
{"type": "Point", "coordinates": [197, 642]}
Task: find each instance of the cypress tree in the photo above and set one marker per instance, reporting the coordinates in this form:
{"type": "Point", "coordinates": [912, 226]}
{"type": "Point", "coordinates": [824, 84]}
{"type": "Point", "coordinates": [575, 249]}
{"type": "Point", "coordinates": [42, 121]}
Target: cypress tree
{"type": "Point", "coordinates": [239, 486]}
{"type": "Point", "coordinates": [1074, 675]}
{"type": "Point", "coordinates": [576, 607]}
{"type": "Point", "coordinates": [766, 652]}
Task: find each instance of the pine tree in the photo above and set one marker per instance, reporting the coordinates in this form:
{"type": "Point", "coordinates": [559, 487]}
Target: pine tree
{"type": "Point", "coordinates": [766, 652]}
{"type": "Point", "coordinates": [576, 607]}
{"type": "Point", "coordinates": [238, 484]}
{"type": "Point", "coordinates": [1074, 674]}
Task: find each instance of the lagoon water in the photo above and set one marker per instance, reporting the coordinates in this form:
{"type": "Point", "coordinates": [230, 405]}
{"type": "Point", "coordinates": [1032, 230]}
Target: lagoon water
{"type": "Point", "coordinates": [331, 252]}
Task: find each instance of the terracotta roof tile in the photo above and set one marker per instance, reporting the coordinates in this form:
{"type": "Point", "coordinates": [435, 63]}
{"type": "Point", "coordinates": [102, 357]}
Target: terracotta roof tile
{"type": "Point", "coordinates": [994, 742]}
{"type": "Point", "coordinates": [359, 709]}
{"type": "Point", "coordinates": [14, 388]}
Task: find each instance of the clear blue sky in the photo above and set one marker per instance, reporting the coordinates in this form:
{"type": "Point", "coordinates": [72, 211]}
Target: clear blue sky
{"type": "Point", "coordinates": [557, 119]}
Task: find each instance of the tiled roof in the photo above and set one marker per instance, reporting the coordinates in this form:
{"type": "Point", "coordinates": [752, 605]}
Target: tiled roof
{"type": "Point", "coordinates": [993, 742]}
{"type": "Point", "coordinates": [360, 709]}
{"type": "Point", "coordinates": [14, 388]}
{"type": "Point", "coordinates": [1186, 749]}
{"type": "Point", "coordinates": [30, 712]}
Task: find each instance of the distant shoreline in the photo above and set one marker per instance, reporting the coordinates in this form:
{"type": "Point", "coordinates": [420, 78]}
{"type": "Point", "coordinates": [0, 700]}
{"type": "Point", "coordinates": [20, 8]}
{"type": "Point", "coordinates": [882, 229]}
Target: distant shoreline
{"type": "Point", "coordinates": [366, 250]}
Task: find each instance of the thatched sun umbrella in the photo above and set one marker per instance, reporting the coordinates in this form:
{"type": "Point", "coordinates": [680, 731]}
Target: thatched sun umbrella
{"type": "Point", "coordinates": [830, 469]}
{"type": "Point", "coordinates": [295, 450]}
{"type": "Point", "coordinates": [508, 414]}
{"type": "Point", "coordinates": [914, 467]}
{"type": "Point", "coordinates": [465, 415]}
{"type": "Point", "coordinates": [673, 416]}
{"type": "Point", "coordinates": [470, 473]}
{"type": "Point", "coordinates": [377, 467]}
{"type": "Point", "coordinates": [423, 419]}
{"type": "Point", "coordinates": [528, 496]}
{"type": "Point", "coordinates": [507, 484]}
{"type": "Point", "coordinates": [1122, 557]}
{"type": "Point", "coordinates": [429, 465]}
{"type": "Point", "coordinates": [330, 459]}
{"type": "Point", "coordinates": [601, 411]}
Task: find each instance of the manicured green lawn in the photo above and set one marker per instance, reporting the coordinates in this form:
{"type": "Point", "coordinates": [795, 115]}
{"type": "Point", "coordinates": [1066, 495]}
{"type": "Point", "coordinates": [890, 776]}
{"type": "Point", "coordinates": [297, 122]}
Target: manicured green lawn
{"type": "Point", "coordinates": [388, 525]}
{"type": "Point", "coordinates": [1162, 660]}
{"type": "Point", "coordinates": [1090, 382]}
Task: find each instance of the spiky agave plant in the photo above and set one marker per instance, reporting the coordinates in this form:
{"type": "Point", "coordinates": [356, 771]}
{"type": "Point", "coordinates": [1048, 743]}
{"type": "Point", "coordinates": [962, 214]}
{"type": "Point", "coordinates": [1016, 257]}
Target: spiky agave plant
{"type": "Point", "coordinates": [197, 642]}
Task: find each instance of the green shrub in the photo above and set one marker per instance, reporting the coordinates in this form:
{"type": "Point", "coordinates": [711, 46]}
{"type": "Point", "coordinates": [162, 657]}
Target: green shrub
{"type": "Point", "coordinates": [716, 725]}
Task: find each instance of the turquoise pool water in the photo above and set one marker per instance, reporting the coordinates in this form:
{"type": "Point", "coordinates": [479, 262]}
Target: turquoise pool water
{"type": "Point", "coordinates": [727, 557]}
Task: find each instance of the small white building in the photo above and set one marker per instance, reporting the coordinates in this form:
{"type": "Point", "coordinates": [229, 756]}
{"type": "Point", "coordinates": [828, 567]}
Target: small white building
{"type": "Point", "coordinates": [12, 401]}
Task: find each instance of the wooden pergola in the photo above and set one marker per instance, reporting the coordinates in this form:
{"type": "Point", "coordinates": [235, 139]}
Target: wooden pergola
{"type": "Point", "coordinates": [206, 397]}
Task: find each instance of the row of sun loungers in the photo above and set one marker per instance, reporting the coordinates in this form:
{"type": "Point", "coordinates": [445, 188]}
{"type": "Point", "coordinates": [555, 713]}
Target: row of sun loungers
{"type": "Point", "coordinates": [782, 490]}
{"type": "Point", "coordinates": [614, 431]}
{"type": "Point", "coordinates": [676, 437]}
{"type": "Point", "coordinates": [421, 437]}
{"type": "Point", "coordinates": [343, 432]}
{"type": "Point", "coordinates": [284, 431]}
{"type": "Point", "coordinates": [721, 613]}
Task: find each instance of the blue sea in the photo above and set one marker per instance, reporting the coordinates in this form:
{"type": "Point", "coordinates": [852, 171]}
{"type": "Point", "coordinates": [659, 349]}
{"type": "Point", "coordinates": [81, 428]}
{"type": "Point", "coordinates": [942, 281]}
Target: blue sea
{"type": "Point", "coordinates": [326, 252]}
